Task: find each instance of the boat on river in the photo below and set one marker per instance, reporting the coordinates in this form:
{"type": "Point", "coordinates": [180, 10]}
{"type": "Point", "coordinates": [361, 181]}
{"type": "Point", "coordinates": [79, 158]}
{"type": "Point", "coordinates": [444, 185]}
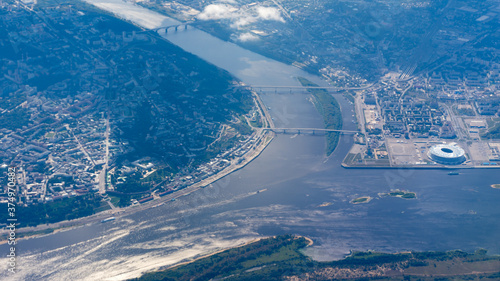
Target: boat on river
{"type": "Point", "coordinates": [108, 219]}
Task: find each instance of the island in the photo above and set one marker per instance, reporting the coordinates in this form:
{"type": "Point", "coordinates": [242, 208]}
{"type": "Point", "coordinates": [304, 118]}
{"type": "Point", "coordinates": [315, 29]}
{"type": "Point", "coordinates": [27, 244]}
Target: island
{"type": "Point", "coordinates": [400, 194]}
{"type": "Point", "coordinates": [361, 200]}
{"type": "Point", "coordinates": [325, 204]}
{"type": "Point", "coordinates": [329, 109]}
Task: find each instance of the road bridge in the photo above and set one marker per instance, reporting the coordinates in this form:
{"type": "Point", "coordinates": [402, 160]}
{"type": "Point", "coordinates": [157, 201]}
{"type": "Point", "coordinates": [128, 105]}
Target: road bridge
{"type": "Point", "coordinates": [308, 131]}
{"type": "Point", "coordinates": [330, 89]}
{"type": "Point", "coordinates": [311, 87]}
{"type": "Point", "coordinates": [175, 26]}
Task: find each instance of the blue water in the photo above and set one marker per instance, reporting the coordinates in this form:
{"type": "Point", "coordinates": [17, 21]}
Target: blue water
{"type": "Point", "coordinates": [451, 212]}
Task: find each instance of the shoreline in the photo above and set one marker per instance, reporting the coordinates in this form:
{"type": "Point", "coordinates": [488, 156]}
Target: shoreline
{"type": "Point", "coordinates": [361, 200]}
{"type": "Point", "coordinates": [309, 243]}
{"type": "Point", "coordinates": [347, 166]}
{"type": "Point", "coordinates": [263, 138]}
{"type": "Point", "coordinates": [213, 253]}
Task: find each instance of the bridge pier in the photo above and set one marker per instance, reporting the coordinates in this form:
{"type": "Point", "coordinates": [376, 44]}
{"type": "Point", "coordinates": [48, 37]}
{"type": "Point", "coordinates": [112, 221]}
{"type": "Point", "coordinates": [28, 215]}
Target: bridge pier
{"type": "Point", "coordinates": [186, 27]}
{"type": "Point", "coordinates": [176, 28]}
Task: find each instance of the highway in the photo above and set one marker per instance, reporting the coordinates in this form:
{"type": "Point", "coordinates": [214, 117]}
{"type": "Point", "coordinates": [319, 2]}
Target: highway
{"type": "Point", "coordinates": [458, 125]}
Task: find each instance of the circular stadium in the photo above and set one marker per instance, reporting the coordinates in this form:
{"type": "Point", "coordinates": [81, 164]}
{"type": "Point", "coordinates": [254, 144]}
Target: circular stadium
{"type": "Point", "coordinates": [447, 154]}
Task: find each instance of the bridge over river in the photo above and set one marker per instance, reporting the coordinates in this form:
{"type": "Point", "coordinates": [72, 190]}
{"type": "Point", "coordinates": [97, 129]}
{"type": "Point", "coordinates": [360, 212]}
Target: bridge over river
{"type": "Point", "coordinates": [174, 26]}
{"type": "Point", "coordinates": [309, 131]}
{"type": "Point", "coordinates": [330, 89]}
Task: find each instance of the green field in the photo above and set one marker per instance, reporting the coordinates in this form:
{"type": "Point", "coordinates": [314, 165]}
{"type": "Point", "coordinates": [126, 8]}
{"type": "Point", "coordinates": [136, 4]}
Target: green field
{"type": "Point", "coordinates": [493, 132]}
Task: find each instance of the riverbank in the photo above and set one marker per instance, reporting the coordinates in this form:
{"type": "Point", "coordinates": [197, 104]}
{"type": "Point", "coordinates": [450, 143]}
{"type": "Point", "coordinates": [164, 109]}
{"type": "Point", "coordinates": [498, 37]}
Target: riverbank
{"type": "Point", "coordinates": [281, 258]}
{"type": "Point", "coordinates": [262, 140]}
{"type": "Point", "coordinates": [252, 259]}
{"type": "Point", "coordinates": [420, 167]}
{"type": "Point", "coordinates": [309, 241]}
{"type": "Point", "coordinates": [350, 159]}
{"type": "Point", "coordinates": [298, 180]}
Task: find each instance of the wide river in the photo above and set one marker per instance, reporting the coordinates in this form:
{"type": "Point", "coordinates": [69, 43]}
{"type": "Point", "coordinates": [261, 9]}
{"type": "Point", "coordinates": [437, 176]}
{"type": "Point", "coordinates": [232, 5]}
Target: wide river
{"type": "Point", "coordinates": [305, 193]}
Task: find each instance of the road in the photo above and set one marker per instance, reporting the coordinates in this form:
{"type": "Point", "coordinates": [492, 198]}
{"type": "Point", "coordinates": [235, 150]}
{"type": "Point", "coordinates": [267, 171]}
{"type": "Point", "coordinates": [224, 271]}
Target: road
{"type": "Point", "coordinates": [80, 146]}
{"type": "Point", "coordinates": [263, 111]}
{"type": "Point", "coordinates": [102, 175]}
{"type": "Point", "coordinates": [456, 122]}
{"type": "Point", "coordinates": [404, 91]}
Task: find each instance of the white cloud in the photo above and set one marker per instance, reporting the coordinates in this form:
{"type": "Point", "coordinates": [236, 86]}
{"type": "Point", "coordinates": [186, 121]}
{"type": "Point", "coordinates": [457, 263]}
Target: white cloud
{"type": "Point", "coordinates": [239, 17]}
{"type": "Point", "coordinates": [227, 1]}
{"type": "Point", "coordinates": [269, 13]}
{"type": "Point", "coordinates": [245, 37]}
{"type": "Point", "coordinates": [216, 12]}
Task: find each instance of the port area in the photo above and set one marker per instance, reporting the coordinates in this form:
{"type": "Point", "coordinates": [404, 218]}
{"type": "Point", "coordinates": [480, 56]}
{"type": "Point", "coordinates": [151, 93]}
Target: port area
{"type": "Point", "coordinates": [413, 153]}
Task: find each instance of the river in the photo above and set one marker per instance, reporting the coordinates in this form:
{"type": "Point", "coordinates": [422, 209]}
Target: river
{"type": "Point", "coordinates": [303, 192]}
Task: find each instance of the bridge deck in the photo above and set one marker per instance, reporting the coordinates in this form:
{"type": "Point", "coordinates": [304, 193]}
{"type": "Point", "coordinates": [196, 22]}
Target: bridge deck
{"type": "Point", "coordinates": [311, 129]}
